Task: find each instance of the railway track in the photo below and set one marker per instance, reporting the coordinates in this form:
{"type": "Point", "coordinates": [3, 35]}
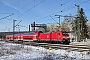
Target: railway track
{"type": "Point", "coordinates": [79, 48]}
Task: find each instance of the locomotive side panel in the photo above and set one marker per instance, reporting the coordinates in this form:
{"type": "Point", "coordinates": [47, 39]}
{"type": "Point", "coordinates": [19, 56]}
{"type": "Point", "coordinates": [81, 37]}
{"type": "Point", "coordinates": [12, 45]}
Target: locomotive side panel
{"type": "Point", "coordinates": [53, 36]}
{"type": "Point", "coordinates": [57, 36]}
{"type": "Point", "coordinates": [44, 36]}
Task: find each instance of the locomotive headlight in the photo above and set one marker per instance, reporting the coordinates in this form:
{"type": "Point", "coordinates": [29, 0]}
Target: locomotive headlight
{"type": "Point", "coordinates": [19, 37]}
{"type": "Point", "coordinates": [63, 36]}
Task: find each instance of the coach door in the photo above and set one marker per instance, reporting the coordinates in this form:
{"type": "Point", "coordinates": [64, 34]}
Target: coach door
{"type": "Point", "coordinates": [58, 36]}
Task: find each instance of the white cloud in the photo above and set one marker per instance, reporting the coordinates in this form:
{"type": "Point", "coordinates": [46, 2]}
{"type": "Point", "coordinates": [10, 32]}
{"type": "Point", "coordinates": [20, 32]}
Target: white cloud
{"type": "Point", "coordinates": [8, 4]}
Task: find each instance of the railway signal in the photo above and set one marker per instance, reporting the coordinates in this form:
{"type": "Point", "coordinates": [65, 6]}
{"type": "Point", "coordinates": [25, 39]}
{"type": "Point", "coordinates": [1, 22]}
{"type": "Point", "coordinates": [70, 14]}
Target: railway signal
{"type": "Point", "coordinates": [39, 25]}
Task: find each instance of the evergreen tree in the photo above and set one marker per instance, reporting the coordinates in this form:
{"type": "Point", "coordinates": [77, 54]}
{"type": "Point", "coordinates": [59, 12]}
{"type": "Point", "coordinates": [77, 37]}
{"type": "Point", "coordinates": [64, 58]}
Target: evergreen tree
{"type": "Point", "coordinates": [82, 24]}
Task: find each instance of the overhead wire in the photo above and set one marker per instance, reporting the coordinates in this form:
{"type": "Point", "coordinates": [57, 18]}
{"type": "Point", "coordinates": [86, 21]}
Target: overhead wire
{"type": "Point", "coordinates": [36, 5]}
{"type": "Point", "coordinates": [51, 14]}
{"type": "Point", "coordinates": [84, 10]}
{"type": "Point", "coordinates": [62, 4]}
{"type": "Point", "coordinates": [84, 2]}
{"type": "Point", "coordinates": [65, 9]}
{"type": "Point", "coordinates": [6, 16]}
{"type": "Point", "coordinates": [58, 11]}
{"type": "Point", "coordinates": [6, 13]}
{"type": "Point", "coordinates": [31, 8]}
{"type": "Point", "coordinates": [53, 19]}
{"type": "Point", "coordinates": [27, 4]}
{"type": "Point", "coordinates": [12, 13]}
{"type": "Point", "coordinates": [66, 2]}
{"type": "Point", "coordinates": [80, 3]}
{"type": "Point", "coordinates": [71, 7]}
{"type": "Point", "coordinates": [55, 12]}
{"type": "Point", "coordinates": [54, 8]}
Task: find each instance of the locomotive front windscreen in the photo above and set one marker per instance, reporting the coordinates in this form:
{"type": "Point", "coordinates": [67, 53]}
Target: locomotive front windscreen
{"type": "Point", "coordinates": [65, 33]}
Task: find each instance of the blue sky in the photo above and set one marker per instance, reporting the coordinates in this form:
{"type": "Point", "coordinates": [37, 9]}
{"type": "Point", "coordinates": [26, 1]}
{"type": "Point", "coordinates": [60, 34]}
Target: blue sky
{"type": "Point", "coordinates": [37, 10]}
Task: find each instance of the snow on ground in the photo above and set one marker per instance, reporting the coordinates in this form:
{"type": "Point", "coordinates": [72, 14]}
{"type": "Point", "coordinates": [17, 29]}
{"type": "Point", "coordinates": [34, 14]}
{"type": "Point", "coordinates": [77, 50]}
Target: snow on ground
{"type": "Point", "coordinates": [10, 51]}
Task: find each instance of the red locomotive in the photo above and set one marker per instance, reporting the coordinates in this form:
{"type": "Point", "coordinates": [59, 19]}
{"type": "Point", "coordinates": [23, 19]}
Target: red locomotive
{"type": "Point", "coordinates": [59, 36]}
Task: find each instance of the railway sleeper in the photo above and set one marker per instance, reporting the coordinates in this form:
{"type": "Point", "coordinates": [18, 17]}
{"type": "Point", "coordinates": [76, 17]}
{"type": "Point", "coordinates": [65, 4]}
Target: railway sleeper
{"type": "Point", "coordinates": [86, 52]}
